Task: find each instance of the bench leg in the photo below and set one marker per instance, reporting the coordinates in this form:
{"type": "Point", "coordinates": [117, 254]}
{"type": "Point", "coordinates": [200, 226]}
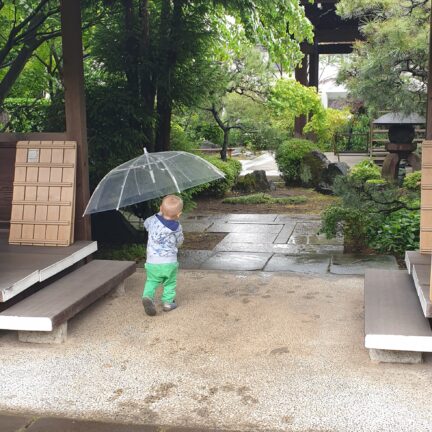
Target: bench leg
{"type": "Point", "coordinates": [388, 356]}
{"type": "Point", "coordinates": [56, 336]}
{"type": "Point", "coordinates": [119, 290]}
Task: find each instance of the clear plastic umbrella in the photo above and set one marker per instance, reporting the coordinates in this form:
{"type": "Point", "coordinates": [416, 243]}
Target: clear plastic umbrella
{"type": "Point", "coordinates": [149, 176]}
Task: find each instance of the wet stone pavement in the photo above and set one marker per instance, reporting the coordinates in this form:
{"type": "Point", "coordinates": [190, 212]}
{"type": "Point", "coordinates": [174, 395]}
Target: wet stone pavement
{"type": "Point", "coordinates": [274, 243]}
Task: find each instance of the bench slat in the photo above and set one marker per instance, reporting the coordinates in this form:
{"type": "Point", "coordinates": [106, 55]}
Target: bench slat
{"type": "Point", "coordinates": [66, 297]}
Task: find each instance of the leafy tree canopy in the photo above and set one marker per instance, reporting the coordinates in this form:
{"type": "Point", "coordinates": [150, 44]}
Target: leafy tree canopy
{"type": "Point", "coordinates": [388, 70]}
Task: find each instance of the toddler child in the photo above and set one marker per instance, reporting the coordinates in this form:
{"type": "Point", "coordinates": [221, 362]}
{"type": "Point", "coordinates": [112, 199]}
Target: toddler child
{"type": "Point", "coordinates": [164, 236]}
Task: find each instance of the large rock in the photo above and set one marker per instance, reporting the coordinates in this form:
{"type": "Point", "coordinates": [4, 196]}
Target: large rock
{"type": "Point", "coordinates": [312, 166]}
{"type": "Point", "coordinates": [328, 176]}
{"type": "Point", "coordinates": [253, 182]}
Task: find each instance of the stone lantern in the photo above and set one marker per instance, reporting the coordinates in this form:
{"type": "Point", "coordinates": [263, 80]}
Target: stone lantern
{"type": "Point", "coordinates": [401, 135]}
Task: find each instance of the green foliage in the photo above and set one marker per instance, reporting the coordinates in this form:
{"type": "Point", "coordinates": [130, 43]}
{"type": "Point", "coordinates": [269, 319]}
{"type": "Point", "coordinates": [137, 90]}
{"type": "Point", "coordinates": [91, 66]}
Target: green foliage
{"type": "Point", "coordinates": [373, 212]}
{"type": "Point", "coordinates": [263, 198]}
{"type": "Point", "coordinates": [289, 100]}
{"type": "Point", "coordinates": [231, 168]}
{"type": "Point", "coordinates": [398, 233]}
{"type": "Point", "coordinates": [25, 114]}
{"type": "Point", "coordinates": [326, 124]}
{"type": "Point", "coordinates": [365, 170]}
{"type": "Point", "coordinates": [388, 70]}
{"type": "Point", "coordinates": [355, 134]}
{"type": "Point", "coordinates": [180, 140]}
{"type": "Point", "coordinates": [288, 158]}
{"type": "Point", "coordinates": [412, 181]}
{"type": "Point", "coordinates": [352, 223]}
{"type": "Point", "coordinates": [128, 252]}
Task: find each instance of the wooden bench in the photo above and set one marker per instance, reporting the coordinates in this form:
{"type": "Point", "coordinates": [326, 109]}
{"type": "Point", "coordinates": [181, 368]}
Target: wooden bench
{"type": "Point", "coordinates": [394, 321]}
{"type": "Point", "coordinates": [49, 309]}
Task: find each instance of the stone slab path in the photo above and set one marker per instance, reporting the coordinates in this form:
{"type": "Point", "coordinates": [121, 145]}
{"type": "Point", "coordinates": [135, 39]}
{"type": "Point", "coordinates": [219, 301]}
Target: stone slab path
{"type": "Point", "coordinates": [274, 243]}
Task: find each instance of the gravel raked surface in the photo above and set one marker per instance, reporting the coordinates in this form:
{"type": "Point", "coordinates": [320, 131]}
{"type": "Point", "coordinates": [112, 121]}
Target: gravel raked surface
{"type": "Point", "coordinates": [251, 351]}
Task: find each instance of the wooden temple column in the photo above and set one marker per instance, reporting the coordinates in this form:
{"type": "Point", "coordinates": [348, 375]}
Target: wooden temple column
{"type": "Point", "coordinates": [426, 182]}
{"type": "Point", "coordinates": [76, 125]}
{"type": "Point", "coordinates": [314, 66]}
{"type": "Point", "coordinates": [301, 75]}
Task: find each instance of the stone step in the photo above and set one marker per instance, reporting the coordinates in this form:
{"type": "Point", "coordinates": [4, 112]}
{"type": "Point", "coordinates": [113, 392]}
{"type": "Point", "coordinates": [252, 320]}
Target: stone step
{"type": "Point", "coordinates": [421, 274]}
{"type": "Point", "coordinates": [393, 316]}
{"type": "Point", "coordinates": [415, 257]}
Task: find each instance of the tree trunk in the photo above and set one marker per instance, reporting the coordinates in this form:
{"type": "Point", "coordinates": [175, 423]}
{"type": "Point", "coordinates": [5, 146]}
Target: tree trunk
{"type": "Point", "coordinates": [147, 88]}
{"type": "Point", "coordinates": [170, 33]}
{"type": "Point", "coordinates": [223, 152]}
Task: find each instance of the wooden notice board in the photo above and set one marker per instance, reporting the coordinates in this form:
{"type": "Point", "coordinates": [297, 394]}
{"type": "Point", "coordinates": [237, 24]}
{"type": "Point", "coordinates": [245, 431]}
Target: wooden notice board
{"type": "Point", "coordinates": [43, 203]}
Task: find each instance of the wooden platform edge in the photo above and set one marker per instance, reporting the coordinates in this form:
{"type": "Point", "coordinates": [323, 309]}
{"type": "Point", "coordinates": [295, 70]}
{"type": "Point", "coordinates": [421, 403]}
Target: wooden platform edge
{"type": "Point", "coordinates": [10, 319]}
{"type": "Point", "coordinates": [393, 315]}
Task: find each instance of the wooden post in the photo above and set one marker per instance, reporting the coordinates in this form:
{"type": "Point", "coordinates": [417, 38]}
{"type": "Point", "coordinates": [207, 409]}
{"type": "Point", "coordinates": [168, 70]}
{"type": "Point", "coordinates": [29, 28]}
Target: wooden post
{"type": "Point", "coordinates": [426, 182]}
{"type": "Point", "coordinates": [301, 75]}
{"type": "Point", "coordinates": [314, 67]}
{"type": "Point", "coordinates": [76, 125]}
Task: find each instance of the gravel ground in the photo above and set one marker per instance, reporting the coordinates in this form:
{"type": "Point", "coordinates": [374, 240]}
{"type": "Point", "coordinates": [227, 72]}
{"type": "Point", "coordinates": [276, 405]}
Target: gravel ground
{"type": "Point", "coordinates": [252, 351]}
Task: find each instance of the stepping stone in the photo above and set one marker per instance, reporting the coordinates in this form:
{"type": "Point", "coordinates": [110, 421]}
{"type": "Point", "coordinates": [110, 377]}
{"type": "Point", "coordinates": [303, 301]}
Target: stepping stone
{"type": "Point", "coordinates": [192, 259]}
{"type": "Point", "coordinates": [12, 423]}
{"type": "Point", "coordinates": [307, 228]}
{"type": "Point", "coordinates": [352, 264]}
{"type": "Point", "coordinates": [245, 228]}
{"type": "Point", "coordinates": [250, 238]}
{"type": "Point", "coordinates": [315, 264]}
{"type": "Point", "coordinates": [251, 218]}
{"type": "Point", "coordinates": [285, 233]}
{"type": "Point", "coordinates": [228, 246]}
{"type": "Point", "coordinates": [236, 261]}
{"type": "Point", "coordinates": [297, 218]}
{"type": "Point", "coordinates": [195, 226]}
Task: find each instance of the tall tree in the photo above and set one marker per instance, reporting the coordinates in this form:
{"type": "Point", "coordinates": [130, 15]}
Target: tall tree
{"type": "Point", "coordinates": [388, 70]}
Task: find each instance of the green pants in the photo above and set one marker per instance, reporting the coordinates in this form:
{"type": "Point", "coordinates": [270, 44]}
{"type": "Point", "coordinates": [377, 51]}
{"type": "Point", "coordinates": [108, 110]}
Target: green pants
{"type": "Point", "coordinates": [165, 274]}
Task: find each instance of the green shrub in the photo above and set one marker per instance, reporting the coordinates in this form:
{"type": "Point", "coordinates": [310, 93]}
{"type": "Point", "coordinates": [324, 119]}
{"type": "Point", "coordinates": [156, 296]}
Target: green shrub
{"type": "Point", "coordinates": [179, 140]}
{"type": "Point", "coordinates": [288, 158]}
{"type": "Point", "coordinates": [231, 168]}
{"type": "Point", "coordinates": [263, 198]}
{"type": "Point", "coordinates": [413, 181]}
{"type": "Point", "coordinates": [399, 232]}
{"type": "Point", "coordinates": [350, 222]}
{"type": "Point", "coordinates": [365, 170]}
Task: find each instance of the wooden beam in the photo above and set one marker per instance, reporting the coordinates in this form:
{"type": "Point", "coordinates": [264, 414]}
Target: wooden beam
{"type": "Point", "coordinates": [343, 33]}
{"type": "Point", "coordinates": [314, 67]}
{"type": "Point", "coordinates": [32, 136]}
{"type": "Point", "coordinates": [341, 48]}
{"type": "Point", "coordinates": [76, 125]}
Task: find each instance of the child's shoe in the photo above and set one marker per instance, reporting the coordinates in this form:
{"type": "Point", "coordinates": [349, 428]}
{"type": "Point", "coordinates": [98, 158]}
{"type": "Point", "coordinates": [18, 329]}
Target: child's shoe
{"type": "Point", "coordinates": [149, 306]}
{"type": "Point", "coordinates": [166, 307]}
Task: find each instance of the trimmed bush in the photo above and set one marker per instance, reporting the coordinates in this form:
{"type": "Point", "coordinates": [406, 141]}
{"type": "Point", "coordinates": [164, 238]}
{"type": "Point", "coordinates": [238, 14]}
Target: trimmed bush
{"type": "Point", "coordinates": [263, 198]}
{"type": "Point", "coordinates": [289, 156]}
{"type": "Point", "coordinates": [413, 181]}
{"type": "Point", "coordinates": [365, 170]}
{"type": "Point", "coordinates": [231, 168]}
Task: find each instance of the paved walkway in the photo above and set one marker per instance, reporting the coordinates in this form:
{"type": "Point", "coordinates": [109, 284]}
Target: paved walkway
{"type": "Point", "coordinates": [274, 243]}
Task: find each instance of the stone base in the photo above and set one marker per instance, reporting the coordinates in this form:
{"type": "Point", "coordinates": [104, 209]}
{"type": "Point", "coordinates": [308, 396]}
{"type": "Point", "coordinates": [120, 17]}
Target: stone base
{"type": "Point", "coordinates": [56, 336]}
{"type": "Point", "coordinates": [119, 290]}
{"type": "Point", "coordinates": [388, 356]}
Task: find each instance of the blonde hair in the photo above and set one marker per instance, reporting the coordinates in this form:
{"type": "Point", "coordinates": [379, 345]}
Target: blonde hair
{"type": "Point", "coordinates": [171, 206]}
